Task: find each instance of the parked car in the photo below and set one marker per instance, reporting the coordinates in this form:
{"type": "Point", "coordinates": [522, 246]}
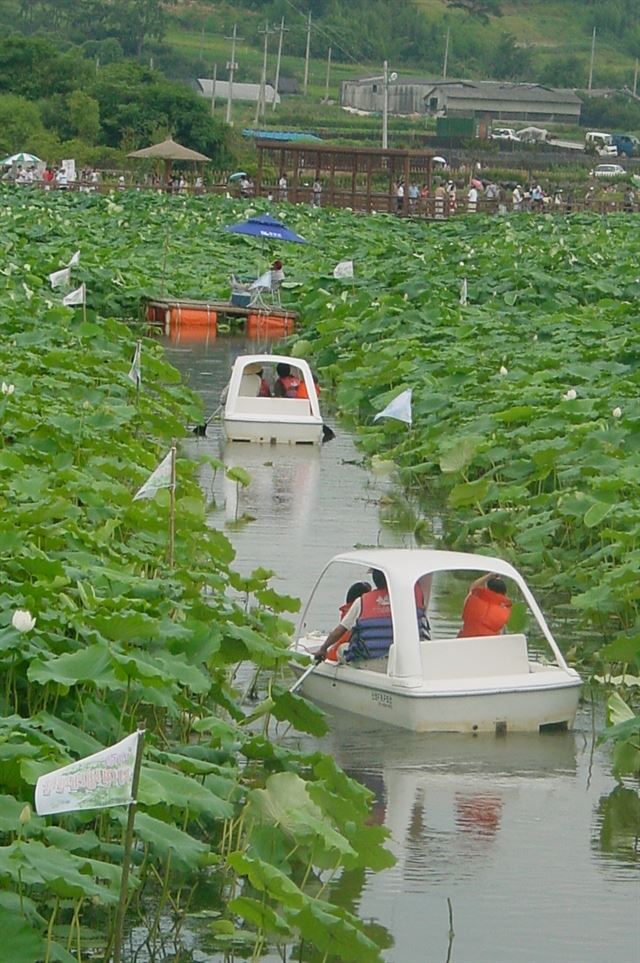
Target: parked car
{"type": "Point", "coordinates": [608, 170]}
{"type": "Point", "coordinates": [504, 133]}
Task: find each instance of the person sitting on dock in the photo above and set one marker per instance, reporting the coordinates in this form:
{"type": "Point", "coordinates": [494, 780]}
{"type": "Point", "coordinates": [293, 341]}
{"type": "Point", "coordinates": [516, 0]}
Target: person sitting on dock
{"type": "Point", "coordinates": [486, 608]}
{"type": "Point", "coordinates": [287, 384]}
{"type": "Point", "coordinates": [370, 623]}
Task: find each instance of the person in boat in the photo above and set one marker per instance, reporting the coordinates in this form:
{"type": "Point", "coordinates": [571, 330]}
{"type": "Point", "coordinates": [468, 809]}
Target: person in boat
{"type": "Point", "coordinates": [355, 591]}
{"type": "Point", "coordinates": [369, 621]}
{"type": "Point", "coordinates": [253, 384]}
{"type": "Point", "coordinates": [486, 608]}
{"type": "Point", "coordinates": [302, 387]}
{"type": "Point", "coordinates": [286, 384]}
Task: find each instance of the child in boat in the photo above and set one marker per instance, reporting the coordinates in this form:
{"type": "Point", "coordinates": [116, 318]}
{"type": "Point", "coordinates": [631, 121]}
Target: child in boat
{"type": "Point", "coordinates": [369, 621]}
{"type": "Point", "coordinates": [486, 609]}
{"type": "Point", "coordinates": [286, 384]}
{"type": "Point", "coordinates": [354, 592]}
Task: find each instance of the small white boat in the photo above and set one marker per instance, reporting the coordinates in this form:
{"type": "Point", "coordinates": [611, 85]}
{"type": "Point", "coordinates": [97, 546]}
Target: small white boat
{"type": "Point", "coordinates": [289, 420]}
{"type": "Point", "coordinates": [446, 683]}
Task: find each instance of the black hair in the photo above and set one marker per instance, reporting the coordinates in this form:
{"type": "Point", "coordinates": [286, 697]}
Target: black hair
{"type": "Point", "coordinates": [496, 584]}
{"type": "Point", "coordinates": [379, 578]}
{"type": "Point", "coordinates": [356, 590]}
{"type": "Point", "coordinates": [284, 370]}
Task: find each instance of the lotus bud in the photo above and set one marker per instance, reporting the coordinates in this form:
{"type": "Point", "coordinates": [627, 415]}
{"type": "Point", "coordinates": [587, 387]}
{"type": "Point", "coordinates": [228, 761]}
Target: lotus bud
{"type": "Point", "coordinates": [503, 371]}
{"type": "Point", "coordinates": [7, 389]}
{"type": "Point", "coordinates": [617, 412]}
{"type": "Point", "coordinates": [25, 815]}
{"type": "Point", "coordinates": [571, 395]}
{"type": "Point", "coordinates": [22, 620]}
{"type": "Point", "coordinates": [535, 337]}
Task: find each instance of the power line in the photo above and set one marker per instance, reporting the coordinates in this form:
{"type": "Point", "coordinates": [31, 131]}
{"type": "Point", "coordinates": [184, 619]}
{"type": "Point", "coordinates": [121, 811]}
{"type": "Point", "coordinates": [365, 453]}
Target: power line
{"type": "Point", "coordinates": [327, 36]}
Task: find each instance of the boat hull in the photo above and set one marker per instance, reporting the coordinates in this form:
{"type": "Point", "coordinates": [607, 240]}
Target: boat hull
{"type": "Point", "coordinates": [272, 432]}
{"type": "Point", "coordinates": [524, 704]}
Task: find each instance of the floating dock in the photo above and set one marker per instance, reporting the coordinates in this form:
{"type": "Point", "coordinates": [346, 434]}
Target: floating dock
{"type": "Point", "coordinates": [176, 315]}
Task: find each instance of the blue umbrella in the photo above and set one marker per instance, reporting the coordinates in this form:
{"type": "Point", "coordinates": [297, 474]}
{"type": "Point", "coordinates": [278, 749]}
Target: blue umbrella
{"type": "Point", "coordinates": [262, 225]}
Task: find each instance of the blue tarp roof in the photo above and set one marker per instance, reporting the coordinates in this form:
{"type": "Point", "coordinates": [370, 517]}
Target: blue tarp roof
{"type": "Point", "coordinates": [284, 135]}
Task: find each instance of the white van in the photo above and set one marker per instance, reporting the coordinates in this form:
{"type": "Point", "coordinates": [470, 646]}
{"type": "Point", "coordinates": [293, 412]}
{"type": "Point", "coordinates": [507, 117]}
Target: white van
{"type": "Point", "coordinates": [600, 142]}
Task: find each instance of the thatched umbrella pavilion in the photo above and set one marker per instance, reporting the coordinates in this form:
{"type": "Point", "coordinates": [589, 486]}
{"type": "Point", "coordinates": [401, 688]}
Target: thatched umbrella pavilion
{"type": "Point", "coordinates": [169, 151]}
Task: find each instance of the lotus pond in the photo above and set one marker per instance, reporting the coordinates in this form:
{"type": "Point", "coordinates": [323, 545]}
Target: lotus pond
{"type": "Point", "coordinates": [525, 437]}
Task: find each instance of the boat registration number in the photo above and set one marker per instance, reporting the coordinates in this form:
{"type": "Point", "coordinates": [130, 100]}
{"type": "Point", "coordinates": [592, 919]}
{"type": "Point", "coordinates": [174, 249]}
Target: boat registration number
{"type": "Point", "coordinates": [383, 698]}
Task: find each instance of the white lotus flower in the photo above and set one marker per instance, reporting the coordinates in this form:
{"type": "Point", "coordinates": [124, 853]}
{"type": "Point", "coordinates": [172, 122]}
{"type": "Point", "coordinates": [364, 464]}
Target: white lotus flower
{"type": "Point", "coordinates": [617, 412]}
{"type": "Point", "coordinates": [7, 389]}
{"type": "Point", "coordinates": [22, 620]}
{"type": "Point", "coordinates": [571, 395]}
{"type": "Point", "coordinates": [504, 371]}
{"type": "Point", "coordinates": [535, 337]}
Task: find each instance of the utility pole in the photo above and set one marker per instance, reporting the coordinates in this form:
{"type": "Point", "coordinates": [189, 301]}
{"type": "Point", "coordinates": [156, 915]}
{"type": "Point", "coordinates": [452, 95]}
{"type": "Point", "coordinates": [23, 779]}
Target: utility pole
{"type": "Point", "coordinates": [231, 66]}
{"type": "Point", "coordinates": [306, 56]}
{"type": "Point", "coordinates": [635, 79]}
{"type": "Point", "coordinates": [446, 56]}
{"type": "Point", "coordinates": [282, 30]}
{"type": "Point", "coordinates": [593, 53]}
{"type": "Point", "coordinates": [213, 89]}
{"type": "Point", "coordinates": [385, 105]}
{"type": "Point", "coordinates": [326, 86]}
{"type": "Point", "coordinates": [263, 79]}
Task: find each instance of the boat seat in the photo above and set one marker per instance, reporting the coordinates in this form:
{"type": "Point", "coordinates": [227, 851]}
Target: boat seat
{"type": "Point", "coordinates": [271, 407]}
{"type": "Point", "coordinates": [482, 655]}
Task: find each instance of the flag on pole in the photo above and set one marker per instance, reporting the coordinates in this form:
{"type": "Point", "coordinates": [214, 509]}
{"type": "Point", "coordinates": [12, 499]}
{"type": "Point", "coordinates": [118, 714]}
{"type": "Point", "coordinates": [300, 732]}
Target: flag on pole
{"type": "Point", "coordinates": [160, 478]}
{"type": "Point", "coordinates": [463, 292]}
{"type": "Point", "coordinates": [134, 370]}
{"type": "Point", "coordinates": [75, 259]}
{"type": "Point", "coordinates": [60, 278]}
{"type": "Point", "coordinates": [95, 782]}
{"type": "Point", "coordinates": [75, 297]}
{"type": "Point", "coordinates": [399, 408]}
{"type": "Point", "coordinates": [343, 269]}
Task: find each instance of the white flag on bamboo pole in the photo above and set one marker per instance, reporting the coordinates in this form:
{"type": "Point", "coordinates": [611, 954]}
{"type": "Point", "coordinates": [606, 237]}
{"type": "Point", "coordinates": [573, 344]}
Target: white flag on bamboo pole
{"type": "Point", "coordinates": [75, 259]}
{"type": "Point", "coordinates": [160, 478]}
{"type": "Point", "coordinates": [59, 279]}
{"type": "Point", "coordinates": [134, 370]}
{"type": "Point", "coordinates": [95, 782]}
{"type": "Point", "coordinates": [343, 269]}
{"type": "Point", "coordinates": [399, 408]}
{"type": "Point", "coordinates": [78, 296]}
{"type": "Point", "coordinates": [463, 292]}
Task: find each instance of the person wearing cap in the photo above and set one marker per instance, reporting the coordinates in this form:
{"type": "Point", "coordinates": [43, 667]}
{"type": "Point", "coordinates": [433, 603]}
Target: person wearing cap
{"type": "Point", "coordinates": [517, 197]}
{"type": "Point", "coordinates": [369, 621]}
{"type": "Point", "coordinates": [486, 608]}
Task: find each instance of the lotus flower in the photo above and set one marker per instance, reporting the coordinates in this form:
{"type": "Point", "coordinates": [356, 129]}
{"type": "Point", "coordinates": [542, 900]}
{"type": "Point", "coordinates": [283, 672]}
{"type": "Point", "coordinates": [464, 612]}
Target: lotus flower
{"type": "Point", "coordinates": [7, 389]}
{"type": "Point", "coordinates": [504, 371]}
{"type": "Point", "coordinates": [617, 412]}
{"type": "Point", "coordinates": [22, 620]}
{"type": "Point", "coordinates": [571, 395]}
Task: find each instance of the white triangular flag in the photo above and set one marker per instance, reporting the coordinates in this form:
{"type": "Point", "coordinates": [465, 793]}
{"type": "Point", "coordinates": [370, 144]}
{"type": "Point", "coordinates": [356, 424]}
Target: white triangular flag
{"type": "Point", "coordinates": [75, 297]}
{"type": "Point", "coordinates": [95, 782]}
{"type": "Point", "coordinates": [399, 408]}
{"type": "Point", "coordinates": [75, 259]}
{"type": "Point", "coordinates": [160, 478]}
{"type": "Point", "coordinates": [463, 292]}
{"type": "Point", "coordinates": [343, 269]}
{"type": "Point", "coordinates": [134, 370]}
{"type": "Point", "coordinates": [60, 278]}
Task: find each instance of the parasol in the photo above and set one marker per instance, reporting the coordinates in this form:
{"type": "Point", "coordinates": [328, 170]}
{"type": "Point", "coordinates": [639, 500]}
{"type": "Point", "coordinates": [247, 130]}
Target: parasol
{"type": "Point", "coordinates": [20, 158]}
{"type": "Point", "coordinates": [267, 227]}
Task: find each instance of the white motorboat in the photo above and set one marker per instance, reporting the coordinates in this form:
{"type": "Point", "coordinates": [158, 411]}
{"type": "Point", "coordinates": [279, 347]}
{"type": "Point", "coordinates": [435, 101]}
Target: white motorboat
{"type": "Point", "coordinates": [248, 416]}
{"type": "Point", "coordinates": [446, 683]}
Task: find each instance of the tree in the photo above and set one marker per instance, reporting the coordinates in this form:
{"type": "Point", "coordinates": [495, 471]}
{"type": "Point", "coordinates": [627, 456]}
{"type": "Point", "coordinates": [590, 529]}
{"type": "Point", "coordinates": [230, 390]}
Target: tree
{"type": "Point", "coordinates": [512, 61]}
{"type": "Point", "coordinates": [84, 116]}
{"type": "Point", "coordinates": [20, 123]}
{"type": "Point", "coordinates": [481, 9]}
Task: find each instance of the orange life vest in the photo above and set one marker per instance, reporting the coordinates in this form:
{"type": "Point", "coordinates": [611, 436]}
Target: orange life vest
{"type": "Point", "coordinates": [485, 613]}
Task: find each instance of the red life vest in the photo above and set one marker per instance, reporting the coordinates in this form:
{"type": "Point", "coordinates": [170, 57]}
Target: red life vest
{"type": "Point", "coordinates": [485, 613]}
{"type": "Point", "coordinates": [290, 386]}
{"type": "Point", "coordinates": [265, 390]}
{"type": "Point", "coordinates": [372, 634]}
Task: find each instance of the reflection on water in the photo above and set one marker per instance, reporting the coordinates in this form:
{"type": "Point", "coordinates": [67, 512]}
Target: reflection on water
{"type": "Point", "coordinates": [526, 835]}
